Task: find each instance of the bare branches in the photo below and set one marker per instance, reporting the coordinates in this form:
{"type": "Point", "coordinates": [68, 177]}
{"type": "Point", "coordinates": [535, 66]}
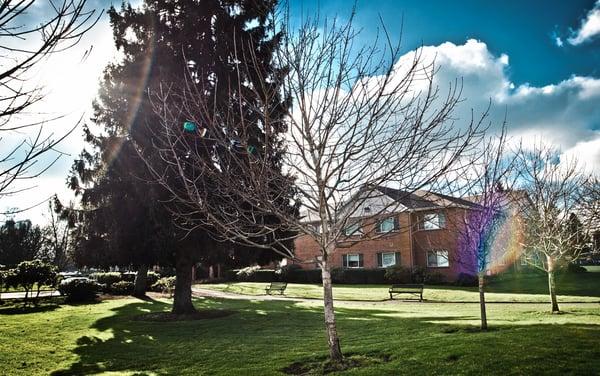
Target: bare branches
{"type": "Point", "coordinates": [361, 118]}
{"type": "Point", "coordinates": [24, 45]}
{"type": "Point", "coordinates": [555, 198]}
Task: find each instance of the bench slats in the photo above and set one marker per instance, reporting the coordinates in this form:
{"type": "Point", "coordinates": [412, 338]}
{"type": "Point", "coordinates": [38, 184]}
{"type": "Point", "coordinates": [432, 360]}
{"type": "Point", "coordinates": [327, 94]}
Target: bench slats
{"type": "Point", "coordinates": [276, 286]}
{"type": "Point", "coordinates": [407, 289]}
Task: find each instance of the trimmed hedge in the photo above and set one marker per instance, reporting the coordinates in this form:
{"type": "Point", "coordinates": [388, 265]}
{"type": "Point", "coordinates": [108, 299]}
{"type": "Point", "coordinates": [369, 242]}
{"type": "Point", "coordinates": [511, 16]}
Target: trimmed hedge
{"type": "Point", "coordinates": [121, 288]}
{"type": "Point", "coordinates": [79, 290]}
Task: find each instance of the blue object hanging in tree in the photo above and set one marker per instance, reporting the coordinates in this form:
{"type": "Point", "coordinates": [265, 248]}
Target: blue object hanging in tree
{"type": "Point", "coordinates": [251, 149]}
{"type": "Point", "coordinates": [189, 126]}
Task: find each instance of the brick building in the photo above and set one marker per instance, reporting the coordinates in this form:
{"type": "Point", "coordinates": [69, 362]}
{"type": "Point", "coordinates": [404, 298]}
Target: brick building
{"type": "Point", "coordinates": [423, 230]}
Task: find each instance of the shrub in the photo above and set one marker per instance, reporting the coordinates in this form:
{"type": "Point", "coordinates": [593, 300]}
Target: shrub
{"type": "Point", "coordinates": [79, 289]}
{"type": "Point", "coordinates": [128, 276]}
{"type": "Point", "coordinates": [304, 276]}
{"type": "Point", "coordinates": [164, 284]}
{"type": "Point", "coordinates": [283, 273]}
{"type": "Point", "coordinates": [466, 279]}
{"type": "Point", "coordinates": [574, 268]}
{"type": "Point", "coordinates": [358, 276]}
{"type": "Point", "coordinates": [398, 274]}
{"type": "Point", "coordinates": [30, 273]}
{"type": "Point", "coordinates": [107, 278]}
{"type": "Point", "coordinates": [121, 288]}
{"type": "Point", "coordinates": [435, 278]}
{"type": "Point", "coordinates": [244, 274]}
{"type": "Point", "coordinates": [151, 279]}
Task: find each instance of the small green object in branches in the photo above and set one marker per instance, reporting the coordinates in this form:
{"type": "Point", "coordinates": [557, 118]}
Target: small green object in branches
{"type": "Point", "coordinates": [251, 149]}
{"type": "Point", "coordinates": [189, 126]}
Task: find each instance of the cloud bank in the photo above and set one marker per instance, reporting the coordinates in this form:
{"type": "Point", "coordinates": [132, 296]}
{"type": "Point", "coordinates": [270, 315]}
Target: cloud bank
{"type": "Point", "coordinates": [565, 114]}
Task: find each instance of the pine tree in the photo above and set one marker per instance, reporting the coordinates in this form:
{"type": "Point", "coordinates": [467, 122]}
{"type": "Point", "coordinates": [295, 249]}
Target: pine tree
{"type": "Point", "coordinates": [161, 44]}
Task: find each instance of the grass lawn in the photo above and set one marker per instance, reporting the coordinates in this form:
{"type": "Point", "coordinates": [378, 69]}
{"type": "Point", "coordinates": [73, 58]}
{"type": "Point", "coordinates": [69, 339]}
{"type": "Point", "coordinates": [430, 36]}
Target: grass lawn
{"type": "Point", "coordinates": [263, 337]}
{"type": "Point", "coordinates": [583, 287]}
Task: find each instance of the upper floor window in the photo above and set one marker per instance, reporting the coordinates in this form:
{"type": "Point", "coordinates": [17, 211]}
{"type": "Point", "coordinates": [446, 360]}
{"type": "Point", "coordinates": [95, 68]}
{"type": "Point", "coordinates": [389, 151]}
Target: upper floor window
{"type": "Point", "coordinates": [388, 224]}
{"type": "Point", "coordinates": [437, 259]}
{"type": "Point", "coordinates": [353, 229]}
{"type": "Point", "coordinates": [433, 221]}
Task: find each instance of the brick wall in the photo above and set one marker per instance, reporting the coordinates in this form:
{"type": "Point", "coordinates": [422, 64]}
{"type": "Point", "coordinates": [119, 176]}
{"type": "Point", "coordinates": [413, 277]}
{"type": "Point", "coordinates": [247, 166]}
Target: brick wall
{"type": "Point", "coordinates": [410, 241]}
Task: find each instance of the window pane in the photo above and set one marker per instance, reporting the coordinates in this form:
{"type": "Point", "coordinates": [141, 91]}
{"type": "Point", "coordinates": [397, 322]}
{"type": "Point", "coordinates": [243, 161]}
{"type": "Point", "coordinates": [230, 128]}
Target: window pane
{"type": "Point", "coordinates": [442, 258]}
{"type": "Point", "coordinates": [388, 259]}
{"type": "Point", "coordinates": [353, 261]}
{"type": "Point", "coordinates": [352, 229]}
{"type": "Point", "coordinates": [431, 258]}
{"type": "Point", "coordinates": [431, 222]}
{"type": "Point", "coordinates": [386, 225]}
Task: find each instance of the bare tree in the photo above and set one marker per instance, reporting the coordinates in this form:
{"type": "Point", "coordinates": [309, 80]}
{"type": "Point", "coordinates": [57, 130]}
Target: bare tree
{"type": "Point", "coordinates": [25, 44]}
{"type": "Point", "coordinates": [555, 194]}
{"type": "Point", "coordinates": [361, 118]}
{"type": "Point", "coordinates": [490, 183]}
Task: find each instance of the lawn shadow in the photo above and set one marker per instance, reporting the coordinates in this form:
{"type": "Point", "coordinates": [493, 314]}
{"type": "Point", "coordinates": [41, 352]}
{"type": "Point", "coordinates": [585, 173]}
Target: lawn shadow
{"type": "Point", "coordinates": [262, 337]}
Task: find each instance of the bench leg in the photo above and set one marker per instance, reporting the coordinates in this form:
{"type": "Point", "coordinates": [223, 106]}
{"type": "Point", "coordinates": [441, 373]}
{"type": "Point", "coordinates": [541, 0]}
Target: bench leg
{"type": "Point", "coordinates": [391, 297]}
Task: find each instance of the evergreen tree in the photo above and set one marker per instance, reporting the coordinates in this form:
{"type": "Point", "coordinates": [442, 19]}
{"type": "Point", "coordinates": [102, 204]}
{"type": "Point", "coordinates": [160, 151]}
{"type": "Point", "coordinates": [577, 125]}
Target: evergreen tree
{"type": "Point", "coordinates": [161, 44]}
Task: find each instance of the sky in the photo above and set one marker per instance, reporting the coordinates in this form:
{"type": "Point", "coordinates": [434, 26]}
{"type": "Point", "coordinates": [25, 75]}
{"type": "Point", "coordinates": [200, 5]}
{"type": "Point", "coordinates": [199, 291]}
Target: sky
{"type": "Point", "coordinates": [536, 62]}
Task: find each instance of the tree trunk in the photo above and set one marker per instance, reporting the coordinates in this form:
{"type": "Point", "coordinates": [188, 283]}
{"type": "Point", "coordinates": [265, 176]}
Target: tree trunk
{"type": "Point", "coordinates": [552, 290]}
{"type": "Point", "coordinates": [182, 301]}
{"type": "Point", "coordinates": [481, 278]}
{"type": "Point", "coordinates": [335, 352]}
{"type": "Point", "coordinates": [552, 284]}
{"type": "Point", "coordinates": [139, 289]}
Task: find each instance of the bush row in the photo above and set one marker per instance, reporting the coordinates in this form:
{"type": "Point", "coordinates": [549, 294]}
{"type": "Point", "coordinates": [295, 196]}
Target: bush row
{"type": "Point", "coordinates": [294, 274]}
{"type": "Point", "coordinates": [117, 283]}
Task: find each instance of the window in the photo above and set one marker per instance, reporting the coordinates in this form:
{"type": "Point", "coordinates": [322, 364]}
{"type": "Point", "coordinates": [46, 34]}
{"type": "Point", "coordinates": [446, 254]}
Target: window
{"type": "Point", "coordinates": [353, 229]}
{"type": "Point", "coordinates": [387, 259]}
{"type": "Point", "coordinates": [437, 259]}
{"type": "Point", "coordinates": [353, 260]}
{"type": "Point", "coordinates": [433, 221]}
{"type": "Point", "coordinates": [388, 225]}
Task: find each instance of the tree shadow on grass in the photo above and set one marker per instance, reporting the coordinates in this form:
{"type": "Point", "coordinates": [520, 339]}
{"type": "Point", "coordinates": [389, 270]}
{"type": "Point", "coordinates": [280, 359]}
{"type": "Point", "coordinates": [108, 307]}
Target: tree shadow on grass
{"type": "Point", "coordinates": [263, 337]}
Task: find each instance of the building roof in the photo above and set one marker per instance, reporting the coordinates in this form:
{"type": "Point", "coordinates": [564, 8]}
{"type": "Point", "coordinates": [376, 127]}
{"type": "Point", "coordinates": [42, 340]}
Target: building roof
{"type": "Point", "coordinates": [421, 199]}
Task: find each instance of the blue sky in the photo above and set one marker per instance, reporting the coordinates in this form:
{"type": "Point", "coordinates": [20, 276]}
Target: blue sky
{"type": "Point", "coordinates": [537, 61]}
{"type": "Point", "coordinates": [524, 30]}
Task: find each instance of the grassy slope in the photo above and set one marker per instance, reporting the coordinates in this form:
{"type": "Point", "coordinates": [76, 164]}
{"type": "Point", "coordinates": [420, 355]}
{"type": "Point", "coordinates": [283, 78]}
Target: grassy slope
{"type": "Point", "coordinates": [583, 287]}
{"type": "Point", "coordinates": [263, 337]}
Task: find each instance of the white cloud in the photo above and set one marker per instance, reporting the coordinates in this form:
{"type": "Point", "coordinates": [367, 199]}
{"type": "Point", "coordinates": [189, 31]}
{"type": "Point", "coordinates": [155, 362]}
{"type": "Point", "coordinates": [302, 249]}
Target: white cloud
{"type": "Point", "coordinates": [565, 113]}
{"type": "Point", "coordinates": [559, 42]}
{"type": "Point", "coordinates": [589, 28]}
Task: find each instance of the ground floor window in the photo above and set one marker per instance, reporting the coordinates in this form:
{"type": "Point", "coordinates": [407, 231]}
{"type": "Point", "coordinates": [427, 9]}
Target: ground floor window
{"type": "Point", "coordinates": [353, 260]}
{"type": "Point", "coordinates": [437, 259]}
{"type": "Point", "coordinates": [388, 259]}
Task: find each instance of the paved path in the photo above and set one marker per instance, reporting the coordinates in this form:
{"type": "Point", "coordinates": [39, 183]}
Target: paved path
{"type": "Point", "coordinates": [21, 295]}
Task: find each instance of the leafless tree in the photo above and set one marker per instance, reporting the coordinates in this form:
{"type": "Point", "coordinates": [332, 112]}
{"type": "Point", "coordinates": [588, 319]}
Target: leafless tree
{"type": "Point", "coordinates": [25, 44]}
{"type": "Point", "coordinates": [57, 242]}
{"type": "Point", "coordinates": [554, 234]}
{"type": "Point", "coordinates": [360, 118]}
{"type": "Point", "coordinates": [489, 183]}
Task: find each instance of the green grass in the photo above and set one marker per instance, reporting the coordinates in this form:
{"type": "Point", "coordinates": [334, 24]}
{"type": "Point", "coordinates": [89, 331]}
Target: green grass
{"type": "Point", "coordinates": [263, 337]}
{"type": "Point", "coordinates": [583, 287]}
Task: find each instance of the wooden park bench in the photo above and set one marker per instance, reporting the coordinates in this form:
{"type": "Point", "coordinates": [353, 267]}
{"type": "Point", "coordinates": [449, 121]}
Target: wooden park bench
{"type": "Point", "coordinates": [276, 287]}
{"type": "Point", "coordinates": [416, 289]}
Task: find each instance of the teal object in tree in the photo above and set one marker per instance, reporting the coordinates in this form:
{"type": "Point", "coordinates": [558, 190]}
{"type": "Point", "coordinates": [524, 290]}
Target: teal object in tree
{"type": "Point", "coordinates": [189, 126]}
{"type": "Point", "coordinates": [251, 149]}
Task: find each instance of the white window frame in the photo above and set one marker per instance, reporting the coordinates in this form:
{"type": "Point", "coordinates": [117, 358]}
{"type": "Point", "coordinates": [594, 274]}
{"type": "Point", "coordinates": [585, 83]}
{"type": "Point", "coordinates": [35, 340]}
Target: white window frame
{"type": "Point", "coordinates": [380, 230]}
{"type": "Point", "coordinates": [357, 261]}
{"type": "Point", "coordinates": [383, 254]}
{"type": "Point", "coordinates": [356, 232]}
{"type": "Point", "coordinates": [437, 252]}
{"type": "Point", "coordinates": [431, 221]}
